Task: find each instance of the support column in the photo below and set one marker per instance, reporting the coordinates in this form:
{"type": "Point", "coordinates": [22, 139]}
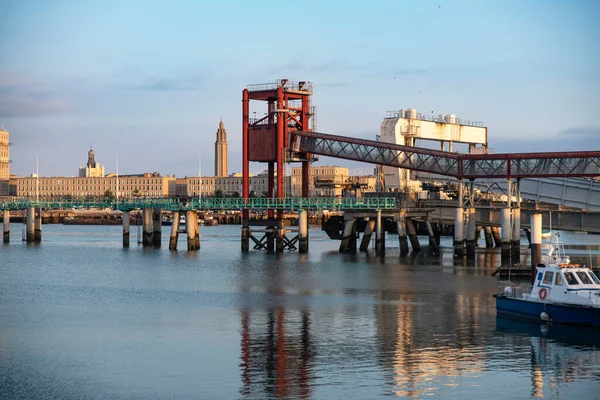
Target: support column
{"type": "Point", "coordinates": [6, 220]}
{"type": "Point", "coordinates": [147, 227]}
{"type": "Point", "coordinates": [38, 226]}
{"type": "Point", "coordinates": [459, 233]}
{"type": "Point", "coordinates": [379, 235]}
{"type": "Point", "coordinates": [156, 227]}
{"type": "Point", "coordinates": [245, 235]}
{"type": "Point", "coordinates": [270, 238]}
{"type": "Point", "coordinates": [402, 239]}
{"type": "Point", "coordinates": [516, 234]}
{"type": "Point", "coordinates": [471, 230]}
{"type": "Point", "coordinates": [30, 228]}
{"type": "Point", "coordinates": [412, 235]}
{"type": "Point", "coordinates": [432, 241]}
{"type": "Point", "coordinates": [126, 225]}
{"type": "Point", "coordinates": [506, 235]}
{"type": "Point", "coordinates": [279, 234]}
{"type": "Point", "coordinates": [191, 225]}
{"type": "Point", "coordinates": [366, 239]}
{"type": "Point", "coordinates": [536, 243]}
{"type": "Point", "coordinates": [174, 238]}
{"type": "Point", "coordinates": [302, 231]}
{"type": "Point", "coordinates": [349, 238]}
{"type": "Point", "coordinates": [496, 236]}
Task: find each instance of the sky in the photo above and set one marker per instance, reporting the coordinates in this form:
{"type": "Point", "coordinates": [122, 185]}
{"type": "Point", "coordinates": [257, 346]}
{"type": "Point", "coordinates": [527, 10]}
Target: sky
{"type": "Point", "coordinates": [147, 82]}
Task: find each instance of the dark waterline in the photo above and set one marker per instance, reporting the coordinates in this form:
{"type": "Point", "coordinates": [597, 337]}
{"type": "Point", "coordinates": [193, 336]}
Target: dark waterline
{"type": "Point", "coordinates": [82, 318]}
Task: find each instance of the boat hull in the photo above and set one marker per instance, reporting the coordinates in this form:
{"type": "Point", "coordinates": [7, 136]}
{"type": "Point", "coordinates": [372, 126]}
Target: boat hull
{"type": "Point", "coordinates": [558, 313]}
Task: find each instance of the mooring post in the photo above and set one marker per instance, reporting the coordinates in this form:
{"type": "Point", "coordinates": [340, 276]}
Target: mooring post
{"type": "Point", "coordinates": [302, 231]}
{"type": "Point", "coordinates": [6, 224]}
{"type": "Point", "coordinates": [536, 243]}
{"type": "Point", "coordinates": [366, 238]}
{"type": "Point", "coordinates": [174, 231]}
{"type": "Point", "coordinates": [402, 239]}
{"type": "Point", "coordinates": [191, 225]}
{"type": "Point", "coordinates": [126, 225]}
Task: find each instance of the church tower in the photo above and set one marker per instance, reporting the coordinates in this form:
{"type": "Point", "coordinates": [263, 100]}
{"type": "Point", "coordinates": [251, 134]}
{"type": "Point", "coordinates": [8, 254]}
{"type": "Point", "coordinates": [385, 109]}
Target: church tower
{"type": "Point", "coordinates": [221, 151]}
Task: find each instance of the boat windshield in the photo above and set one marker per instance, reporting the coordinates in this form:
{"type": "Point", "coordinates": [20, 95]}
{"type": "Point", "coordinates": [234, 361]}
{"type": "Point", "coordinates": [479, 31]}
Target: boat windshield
{"type": "Point", "coordinates": [594, 277]}
{"type": "Point", "coordinates": [584, 278]}
{"type": "Point", "coordinates": [570, 278]}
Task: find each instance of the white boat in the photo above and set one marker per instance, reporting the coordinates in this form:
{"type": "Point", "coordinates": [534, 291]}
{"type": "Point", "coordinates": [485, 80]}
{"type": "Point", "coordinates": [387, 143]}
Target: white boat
{"type": "Point", "coordinates": [561, 293]}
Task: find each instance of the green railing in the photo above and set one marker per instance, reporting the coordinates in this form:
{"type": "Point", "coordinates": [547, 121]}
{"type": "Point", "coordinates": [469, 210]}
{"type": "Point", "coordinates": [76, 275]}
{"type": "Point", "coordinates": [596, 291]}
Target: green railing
{"type": "Point", "coordinates": [233, 204]}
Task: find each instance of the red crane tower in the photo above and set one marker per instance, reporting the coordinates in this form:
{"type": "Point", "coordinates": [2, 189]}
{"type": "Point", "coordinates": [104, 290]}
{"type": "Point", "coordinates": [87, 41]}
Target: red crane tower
{"type": "Point", "coordinates": [265, 139]}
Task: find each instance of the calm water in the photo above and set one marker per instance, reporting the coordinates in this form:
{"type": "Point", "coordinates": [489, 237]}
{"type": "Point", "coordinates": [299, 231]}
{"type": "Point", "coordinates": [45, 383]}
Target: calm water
{"type": "Point", "coordinates": [82, 318]}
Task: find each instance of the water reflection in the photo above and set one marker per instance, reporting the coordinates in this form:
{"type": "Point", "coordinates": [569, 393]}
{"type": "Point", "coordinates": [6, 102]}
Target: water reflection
{"type": "Point", "coordinates": [557, 354]}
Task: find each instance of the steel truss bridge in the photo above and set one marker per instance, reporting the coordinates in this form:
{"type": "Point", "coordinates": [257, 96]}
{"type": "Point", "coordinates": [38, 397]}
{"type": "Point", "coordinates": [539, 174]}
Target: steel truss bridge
{"type": "Point", "coordinates": [460, 166]}
{"type": "Point", "coordinates": [215, 204]}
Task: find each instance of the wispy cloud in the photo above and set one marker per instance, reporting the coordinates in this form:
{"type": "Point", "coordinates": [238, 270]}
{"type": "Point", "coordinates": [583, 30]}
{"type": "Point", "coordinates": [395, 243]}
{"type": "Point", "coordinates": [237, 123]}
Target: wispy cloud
{"type": "Point", "coordinates": [167, 83]}
{"type": "Point", "coordinates": [572, 139]}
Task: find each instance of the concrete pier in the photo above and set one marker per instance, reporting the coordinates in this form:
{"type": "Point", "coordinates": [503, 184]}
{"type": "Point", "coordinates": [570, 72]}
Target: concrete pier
{"type": "Point", "coordinates": [471, 241]}
{"type": "Point", "coordinates": [432, 240]}
{"type": "Point", "coordinates": [156, 227]}
{"type": "Point", "coordinates": [349, 238]}
{"type": "Point", "coordinates": [302, 231]}
{"type": "Point", "coordinates": [126, 225]}
{"type": "Point", "coordinates": [366, 238]}
{"type": "Point", "coordinates": [402, 239]}
{"type": "Point", "coordinates": [516, 234]}
{"type": "Point", "coordinates": [191, 225]}
{"type": "Point", "coordinates": [536, 243]}
{"type": "Point", "coordinates": [174, 231]}
{"type": "Point", "coordinates": [147, 227]}
{"type": "Point", "coordinates": [506, 235]}
{"type": "Point", "coordinates": [245, 235]}
{"type": "Point", "coordinates": [379, 235]}
{"type": "Point", "coordinates": [30, 225]}
{"type": "Point", "coordinates": [496, 236]}
{"type": "Point", "coordinates": [412, 235]}
{"type": "Point", "coordinates": [6, 225]}
{"type": "Point", "coordinates": [489, 239]}
{"type": "Point", "coordinates": [279, 235]}
{"type": "Point", "coordinates": [459, 232]}
{"type": "Point", "coordinates": [38, 226]}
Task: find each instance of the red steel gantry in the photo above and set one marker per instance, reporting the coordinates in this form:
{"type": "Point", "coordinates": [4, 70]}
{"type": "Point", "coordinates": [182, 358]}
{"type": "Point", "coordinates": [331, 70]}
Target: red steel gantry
{"type": "Point", "coordinates": [266, 139]}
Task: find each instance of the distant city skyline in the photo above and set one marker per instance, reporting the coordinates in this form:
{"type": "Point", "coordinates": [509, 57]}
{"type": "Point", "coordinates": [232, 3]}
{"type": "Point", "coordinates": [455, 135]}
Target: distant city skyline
{"type": "Point", "coordinates": [148, 82]}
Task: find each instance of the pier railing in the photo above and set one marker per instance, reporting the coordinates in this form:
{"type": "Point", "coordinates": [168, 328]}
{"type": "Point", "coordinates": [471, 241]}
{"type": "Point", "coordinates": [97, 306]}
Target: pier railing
{"type": "Point", "coordinates": [217, 204]}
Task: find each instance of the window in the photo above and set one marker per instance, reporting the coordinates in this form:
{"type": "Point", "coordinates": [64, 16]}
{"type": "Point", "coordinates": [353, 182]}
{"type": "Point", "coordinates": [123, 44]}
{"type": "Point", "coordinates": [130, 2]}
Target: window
{"type": "Point", "coordinates": [584, 278]}
{"type": "Point", "coordinates": [594, 277]}
{"type": "Point", "coordinates": [548, 277]}
{"type": "Point", "coordinates": [570, 278]}
{"type": "Point", "coordinates": [558, 281]}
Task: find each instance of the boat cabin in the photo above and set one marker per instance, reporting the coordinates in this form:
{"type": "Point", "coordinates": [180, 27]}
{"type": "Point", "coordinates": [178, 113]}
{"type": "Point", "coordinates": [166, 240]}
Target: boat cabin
{"type": "Point", "coordinates": [566, 283]}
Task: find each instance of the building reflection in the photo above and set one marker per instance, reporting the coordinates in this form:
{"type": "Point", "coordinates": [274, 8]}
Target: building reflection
{"type": "Point", "coordinates": [276, 353]}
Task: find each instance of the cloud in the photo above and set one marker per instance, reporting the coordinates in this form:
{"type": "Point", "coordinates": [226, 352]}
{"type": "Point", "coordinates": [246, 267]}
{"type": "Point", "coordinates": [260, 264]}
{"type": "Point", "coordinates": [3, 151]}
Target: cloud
{"type": "Point", "coordinates": [163, 83]}
{"type": "Point", "coordinates": [20, 96]}
{"type": "Point", "coordinates": [572, 139]}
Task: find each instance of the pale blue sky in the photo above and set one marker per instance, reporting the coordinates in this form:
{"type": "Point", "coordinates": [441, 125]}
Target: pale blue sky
{"type": "Point", "coordinates": [148, 81]}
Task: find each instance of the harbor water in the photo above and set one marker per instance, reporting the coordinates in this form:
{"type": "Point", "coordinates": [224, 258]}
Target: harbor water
{"type": "Point", "coordinates": [83, 318]}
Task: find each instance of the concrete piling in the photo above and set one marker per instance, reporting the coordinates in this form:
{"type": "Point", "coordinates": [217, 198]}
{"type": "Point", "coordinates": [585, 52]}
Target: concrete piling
{"type": "Point", "coordinates": [173, 239]}
{"type": "Point", "coordinates": [302, 231]}
{"type": "Point", "coordinates": [245, 235]}
{"type": "Point", "coordinates": [126, 225]}
{"type": "Point", "coordinates": [6, 224]}
{"type": "Point", "coordinates": [506, 235]}
{"type": "Point", "coordinates": [156, 227]}
{"type": "Point", "coordinates": [38, 225]}
{"type": "Point", "coordinates": [489, 240]}
{"type": "Point", "coordinates": [147, 227]}
{"type": "Point", "coordinates": [536, 243]}
{"type": "Point", "coordinates": [432, 240]}
{"type": "Point", "coordinates": [279, 235]}
{"type": "Point", "coordinates": [30, 225]}
{"type": "Point", "coordinates": [379, 235]}
{"type": "Point", "coordinates": [516, 234]}
{"type": "Point", "coordinates": [459, 232]}
{"type": "Point", "coordinates": [471, 242]}
{"type": "Point", "coordinates": [412, 235]}
{"type": "Point", "coordinates": [191, 225]}
{"type": "Point", "coordinates": [496, 237]}
{"type": "Point", "coordinates": [402, 239]}
{"type": "Point", "coordinates": [349, 238]}
{"type": "Point", "coordinates": [366, 238]}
